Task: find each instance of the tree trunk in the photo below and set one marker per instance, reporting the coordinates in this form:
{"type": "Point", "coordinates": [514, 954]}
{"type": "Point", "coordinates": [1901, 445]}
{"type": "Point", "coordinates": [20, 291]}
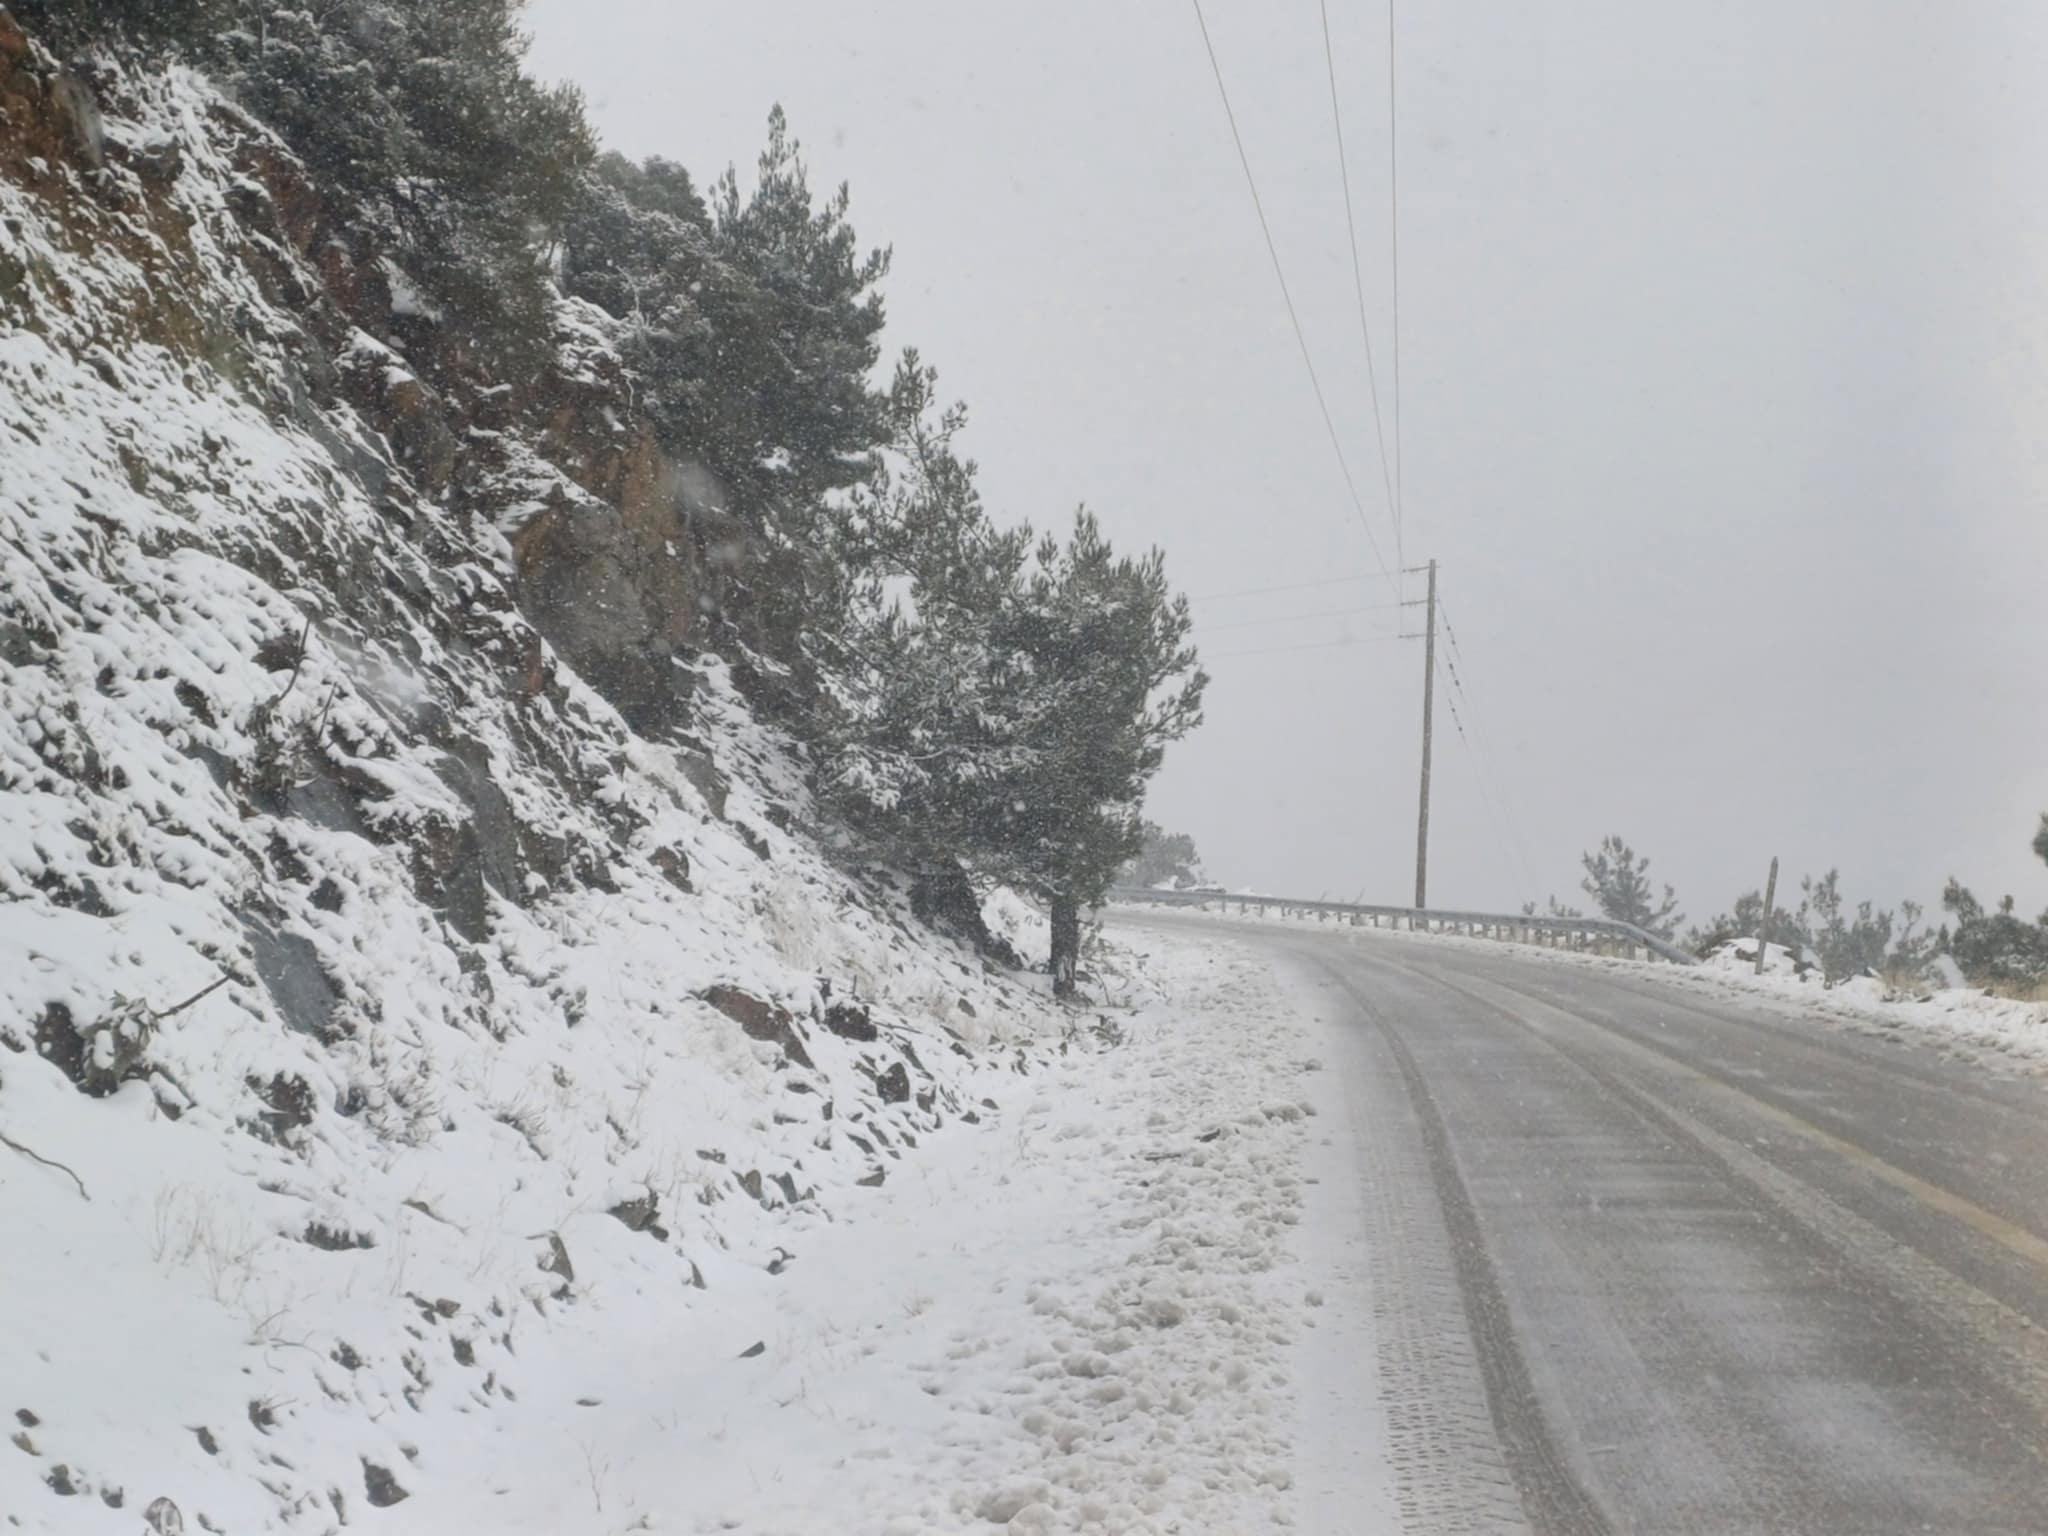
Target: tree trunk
{"type": "Point", "coordinates": [945, 897]}
{"type": "Point", "coordinates": [1066, 944]}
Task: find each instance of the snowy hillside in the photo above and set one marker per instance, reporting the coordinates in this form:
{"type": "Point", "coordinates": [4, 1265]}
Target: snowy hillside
{"type": "Point", "coordinates": [376, 1006]}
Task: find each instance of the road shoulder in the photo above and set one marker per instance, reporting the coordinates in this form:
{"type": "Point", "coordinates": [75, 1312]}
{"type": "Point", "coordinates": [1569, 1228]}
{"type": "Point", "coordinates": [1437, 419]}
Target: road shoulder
{"type": "Point", "coordinates": [1089, 1314]}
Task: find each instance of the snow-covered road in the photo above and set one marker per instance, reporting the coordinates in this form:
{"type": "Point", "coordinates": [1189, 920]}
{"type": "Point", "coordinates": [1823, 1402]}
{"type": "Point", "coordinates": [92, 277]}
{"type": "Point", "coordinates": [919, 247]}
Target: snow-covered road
{"type": "Point", "coordinates": [1647, 1254]}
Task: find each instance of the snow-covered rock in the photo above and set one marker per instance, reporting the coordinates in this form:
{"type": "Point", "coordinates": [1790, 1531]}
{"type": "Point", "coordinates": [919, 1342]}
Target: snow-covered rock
{"type": "Point", "coordinates": [1740, 955]}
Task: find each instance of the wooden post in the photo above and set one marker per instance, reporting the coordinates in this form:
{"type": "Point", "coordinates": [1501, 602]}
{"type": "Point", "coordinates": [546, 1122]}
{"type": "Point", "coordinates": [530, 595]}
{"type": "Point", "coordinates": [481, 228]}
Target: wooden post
{"type": "Point", "coordinates": [1763, 931]}
{"type": "Point", "coordinates": [1428, 702]}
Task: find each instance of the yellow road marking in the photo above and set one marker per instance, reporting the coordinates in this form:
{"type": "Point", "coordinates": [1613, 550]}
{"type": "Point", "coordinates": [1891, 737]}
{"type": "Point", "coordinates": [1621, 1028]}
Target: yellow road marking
{"type": "Point", "coordinates": [2008, 1235]}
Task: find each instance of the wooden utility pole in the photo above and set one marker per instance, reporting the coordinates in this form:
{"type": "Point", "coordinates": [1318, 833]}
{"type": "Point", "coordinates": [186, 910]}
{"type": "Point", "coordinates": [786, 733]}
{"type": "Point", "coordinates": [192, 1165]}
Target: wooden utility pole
{"type": "Point", "coordinates": [1763, 932]}
{"type": "Point", "coordinates": [1428, 705]}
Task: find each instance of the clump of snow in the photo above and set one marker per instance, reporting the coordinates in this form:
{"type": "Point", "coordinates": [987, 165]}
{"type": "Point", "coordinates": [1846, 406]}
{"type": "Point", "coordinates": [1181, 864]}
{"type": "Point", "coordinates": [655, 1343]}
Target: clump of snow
{"type": "Point", "coordinates": [1017, 921]}
{"type": "Point", "coordinates": [407, 302]}
{"type": "Point", "coordinates": [1739, 955]}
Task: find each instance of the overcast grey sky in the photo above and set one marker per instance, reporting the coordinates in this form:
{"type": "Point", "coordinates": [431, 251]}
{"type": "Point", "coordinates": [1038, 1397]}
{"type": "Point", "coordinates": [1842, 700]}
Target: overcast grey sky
{"type": "Point", "coordinates": [1723, 334]}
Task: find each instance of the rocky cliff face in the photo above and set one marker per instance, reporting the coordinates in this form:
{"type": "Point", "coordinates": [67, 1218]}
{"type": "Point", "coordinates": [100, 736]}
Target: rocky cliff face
{"type": "Point", "coordinates": [391, 974]}
{"type": "Point", "coordinates": [619, 555]}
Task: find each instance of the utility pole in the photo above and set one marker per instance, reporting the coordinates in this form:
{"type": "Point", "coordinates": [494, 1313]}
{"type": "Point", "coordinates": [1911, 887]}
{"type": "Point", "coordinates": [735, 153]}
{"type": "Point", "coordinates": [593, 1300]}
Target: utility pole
{"type": "Point", "coordinates": [1428, 704]}
{"type": "Point", "coordinates": [1763, 933]}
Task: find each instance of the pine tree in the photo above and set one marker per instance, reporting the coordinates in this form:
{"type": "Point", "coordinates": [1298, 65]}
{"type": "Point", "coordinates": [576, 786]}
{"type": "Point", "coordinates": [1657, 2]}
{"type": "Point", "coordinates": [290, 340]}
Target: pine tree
{"type": "Point", "coordinates": [750, 325]}
{"type": "Point", "coordinates": [1996, 949]}
{"type": "Point", "coordinates": [1163, 858]}
{"type": "Point", "coordinates": [992, 704]}
{"type": "Point", "coordinates": [1107, 681]}
{"type": "Point", "coordinates": [1787, 930]}
{"type": "Point", "coordinates": [1619, 882]}
{"type": "Point", "coordinates": [1848, 945]}
{"type": "Point", "coordinates": [431, 143]}
{"type": "Point", "coordinates": [637, 243]}
{"type": "Point", "coordinates": [915, 719]}
{"type": "Point", "coordinates": [70, 24]}
{"type": "Point", "coordinates": [794, 345]}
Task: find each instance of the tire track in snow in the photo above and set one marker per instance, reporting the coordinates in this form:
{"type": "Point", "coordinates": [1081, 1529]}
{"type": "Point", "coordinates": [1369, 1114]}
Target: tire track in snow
{"type": "Point", "coordinates": [1471, 1446]}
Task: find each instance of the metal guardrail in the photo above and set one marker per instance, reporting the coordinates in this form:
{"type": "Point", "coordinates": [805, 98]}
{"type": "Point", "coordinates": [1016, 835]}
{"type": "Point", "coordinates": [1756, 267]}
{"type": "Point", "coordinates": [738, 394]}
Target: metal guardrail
{"type": "Point", "coordinates": [1575, 932]}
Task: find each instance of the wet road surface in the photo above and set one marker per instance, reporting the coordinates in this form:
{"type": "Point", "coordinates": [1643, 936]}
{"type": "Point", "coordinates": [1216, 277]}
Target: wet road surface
{"type": "Point", "coordinates": [1649, 1260]}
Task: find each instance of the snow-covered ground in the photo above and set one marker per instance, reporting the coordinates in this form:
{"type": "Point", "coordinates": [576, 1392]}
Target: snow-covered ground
{"type": "Point", "coordinates": [1094, 1307]}
{"type": "Point", "coordinates": [1082, 1317]}
{"type": "Point", "coordinates": [1965, 1021]}
{"type": "Point", "coordinates": [1959, 1018]}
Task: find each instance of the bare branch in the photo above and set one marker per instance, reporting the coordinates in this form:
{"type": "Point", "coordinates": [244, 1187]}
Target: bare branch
{"type": "Point", "coordinates": [13, 1145]}
{"type": "Point", "coordinates": [197, 997]}
{"type": "Point", "coordinates": [305, 635]}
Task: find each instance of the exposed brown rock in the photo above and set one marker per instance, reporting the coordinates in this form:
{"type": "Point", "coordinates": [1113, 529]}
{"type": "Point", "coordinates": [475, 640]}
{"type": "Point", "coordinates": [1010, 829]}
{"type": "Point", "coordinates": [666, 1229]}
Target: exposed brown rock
{"type": "Point", "coordinates": [761, 1020]}
{"type": "Point", "coordinates": [851, 1021]}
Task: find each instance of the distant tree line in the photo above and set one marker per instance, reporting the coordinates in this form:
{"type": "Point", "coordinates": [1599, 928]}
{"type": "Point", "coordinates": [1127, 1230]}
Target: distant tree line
{"type": "Point", "coordinates": [981, 701]}
{"type": "Point", "coordinates": [1992, 947]}
{"type": "Point", "coordinates": [1164, 858]}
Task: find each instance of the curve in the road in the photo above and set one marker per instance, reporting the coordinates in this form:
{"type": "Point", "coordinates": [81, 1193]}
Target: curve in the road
{"type": "Point", "coordinates": [1716, 1275]}
{"type": "Point", "coordinates": [1997, 1333]}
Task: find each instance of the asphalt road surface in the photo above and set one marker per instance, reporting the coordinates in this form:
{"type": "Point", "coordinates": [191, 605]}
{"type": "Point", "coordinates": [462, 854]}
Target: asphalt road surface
{"type": "Point", "coordinates": [1650, 1260]}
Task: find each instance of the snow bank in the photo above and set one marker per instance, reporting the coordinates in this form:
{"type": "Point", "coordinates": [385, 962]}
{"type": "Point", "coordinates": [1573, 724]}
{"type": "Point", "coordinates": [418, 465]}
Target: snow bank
{"type": "Point", "coordinates": [1738, 957]}
{"type": "Point", "coordinates": [1960, 1019]}
{"type": "Point", "coordinates": [1083, 1321]}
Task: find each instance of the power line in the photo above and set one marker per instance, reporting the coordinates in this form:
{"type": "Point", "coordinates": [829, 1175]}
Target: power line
{"type": "Point", "coordinates": [1294, 319]}
{"type": "Point", "coordinates": [1297, 618]}
{"type": "Point", "coordinates": [1372, 376]}
{"type": "Point", "coordinates": [1492, 786]}
{"type": "Point", "coordinates": [1486, 797]}
{"type": "Point", "coordinates": [1291, 586]}
{"type": "Point", "coordinates": [1481, 744]}
{"type": "Point", "coordinates": [1312, 645]}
